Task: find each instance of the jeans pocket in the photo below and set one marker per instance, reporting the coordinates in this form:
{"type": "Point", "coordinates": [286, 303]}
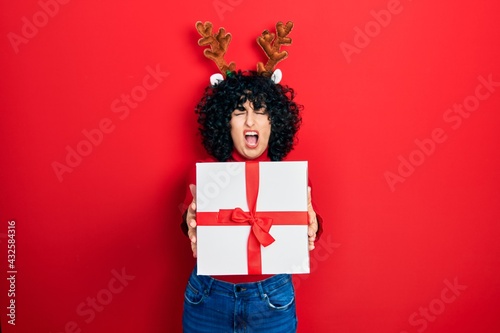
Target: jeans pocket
{"type": "Point", "coordinates": [194, 293]}
{"type": "Point", "coordinates": [281, 298]}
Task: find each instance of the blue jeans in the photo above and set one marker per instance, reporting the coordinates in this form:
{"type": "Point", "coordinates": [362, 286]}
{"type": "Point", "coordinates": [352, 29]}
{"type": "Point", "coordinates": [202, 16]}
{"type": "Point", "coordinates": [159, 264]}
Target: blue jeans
{"type": "Point", "coordinates": [214, 306]}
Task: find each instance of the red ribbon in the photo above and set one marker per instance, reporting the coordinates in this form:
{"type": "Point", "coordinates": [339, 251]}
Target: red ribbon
{"type": "Point", "coordinates": [260, 225]}
{"type": "Point", "coordinates": [260, 222]}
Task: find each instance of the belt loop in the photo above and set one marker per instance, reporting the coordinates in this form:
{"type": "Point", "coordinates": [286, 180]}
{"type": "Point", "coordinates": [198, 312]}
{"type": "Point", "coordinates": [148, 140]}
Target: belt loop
{"type": "Point", "coordinates": [210, 281]}
{"type": "Point", "coordinates": [261, 290]}
{"type": "Point", "coordinates": [206, 280]}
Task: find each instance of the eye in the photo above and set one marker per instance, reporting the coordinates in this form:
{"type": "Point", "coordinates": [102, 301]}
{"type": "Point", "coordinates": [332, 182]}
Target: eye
{"type": "Point", "coordinates": [240, 110]}
{"type": "Point", "coordinates": [261, 111]}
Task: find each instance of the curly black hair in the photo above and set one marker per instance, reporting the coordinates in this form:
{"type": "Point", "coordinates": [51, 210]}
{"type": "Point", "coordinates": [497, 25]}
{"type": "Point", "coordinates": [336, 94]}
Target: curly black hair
{"type": "Point", "coordinates": [220, 100]}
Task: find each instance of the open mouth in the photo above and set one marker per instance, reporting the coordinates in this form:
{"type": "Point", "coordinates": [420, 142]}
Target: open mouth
{"type": "Point", "coordinates": [251, 138]}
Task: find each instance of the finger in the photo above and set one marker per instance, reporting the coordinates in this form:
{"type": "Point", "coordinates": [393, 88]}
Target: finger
{"type": "Point", "coordinates": [192, 187]}
{"type": "Point", "coordinates": [309, 196]}
{"type": "Point", "coordinates": [313, 225]}
{"type": "Point", "coordinates": [311, 232]}
{"type": "Point", "coordinates": [192, 223]}
{"type": "Point", "coordinates": [192, 235]}
{"type": "Point", "coordinates": [193, 248]}
{"type": "Point", "coordinates": [193, 239]}
{"type": "Point", "coordinates": [192, 207]}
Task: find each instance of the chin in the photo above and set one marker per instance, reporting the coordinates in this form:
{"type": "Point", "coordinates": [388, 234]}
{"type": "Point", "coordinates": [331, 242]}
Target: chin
{"type": "Point", "coordinates": [249, 154]}
{"type": "Point", "coordinates": [255, 154]}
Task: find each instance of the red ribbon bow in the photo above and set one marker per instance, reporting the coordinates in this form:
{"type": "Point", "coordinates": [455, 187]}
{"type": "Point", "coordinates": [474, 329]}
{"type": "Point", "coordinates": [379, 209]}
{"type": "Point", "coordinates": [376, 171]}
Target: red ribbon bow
{"type": "Point", "coordinates": [260, 225]}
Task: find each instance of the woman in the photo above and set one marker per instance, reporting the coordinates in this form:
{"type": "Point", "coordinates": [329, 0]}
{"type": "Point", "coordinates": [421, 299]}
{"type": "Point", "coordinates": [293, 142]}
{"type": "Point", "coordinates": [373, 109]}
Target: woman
{"type": "Point", "coordinates": [245, 117]}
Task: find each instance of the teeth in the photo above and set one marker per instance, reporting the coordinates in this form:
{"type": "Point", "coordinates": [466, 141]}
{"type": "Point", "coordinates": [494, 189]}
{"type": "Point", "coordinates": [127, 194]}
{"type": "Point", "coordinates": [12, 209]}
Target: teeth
{"type": "Point", "coordinates": [251, 133]}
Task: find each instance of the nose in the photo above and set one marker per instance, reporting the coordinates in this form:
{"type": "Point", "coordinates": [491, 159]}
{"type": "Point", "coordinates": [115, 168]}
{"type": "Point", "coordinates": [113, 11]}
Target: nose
{"type": "Point", "coordinates": [250, 121]}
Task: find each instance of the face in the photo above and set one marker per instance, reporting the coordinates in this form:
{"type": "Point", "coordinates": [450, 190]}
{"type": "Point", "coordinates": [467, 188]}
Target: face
{"type": "Point", "coordinates": [250, 130]}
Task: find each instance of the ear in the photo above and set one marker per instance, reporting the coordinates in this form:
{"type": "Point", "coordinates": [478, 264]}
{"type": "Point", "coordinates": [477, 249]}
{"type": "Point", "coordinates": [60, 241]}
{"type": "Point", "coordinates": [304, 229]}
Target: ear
{"type": "Point", "coordinates": [216, 78]}
{"type": "Point", "coordinates": [277, 76]}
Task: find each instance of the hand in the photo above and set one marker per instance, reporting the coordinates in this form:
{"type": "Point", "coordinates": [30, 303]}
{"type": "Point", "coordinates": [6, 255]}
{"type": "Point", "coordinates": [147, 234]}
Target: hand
{"type": "Point", "coordinates": [191, 220]}
{"type": "Point", "coordinates": [313, 221]}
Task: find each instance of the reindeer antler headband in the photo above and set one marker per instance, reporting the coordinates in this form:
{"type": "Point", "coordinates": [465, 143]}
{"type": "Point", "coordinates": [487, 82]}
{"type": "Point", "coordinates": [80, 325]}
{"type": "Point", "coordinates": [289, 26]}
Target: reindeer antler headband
{"type": "Point", "coordinates": [271, 45]}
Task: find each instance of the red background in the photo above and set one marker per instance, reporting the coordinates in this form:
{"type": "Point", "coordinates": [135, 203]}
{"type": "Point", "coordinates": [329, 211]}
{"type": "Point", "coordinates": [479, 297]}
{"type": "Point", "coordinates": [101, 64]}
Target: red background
{"type": "Point", "coordinates": [388, 252]}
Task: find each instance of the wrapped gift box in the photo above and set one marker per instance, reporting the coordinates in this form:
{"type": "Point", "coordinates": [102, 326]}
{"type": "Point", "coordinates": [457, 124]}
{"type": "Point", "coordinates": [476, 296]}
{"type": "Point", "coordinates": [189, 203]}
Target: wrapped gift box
{"type": "Point", "coordinates": [252, 218]}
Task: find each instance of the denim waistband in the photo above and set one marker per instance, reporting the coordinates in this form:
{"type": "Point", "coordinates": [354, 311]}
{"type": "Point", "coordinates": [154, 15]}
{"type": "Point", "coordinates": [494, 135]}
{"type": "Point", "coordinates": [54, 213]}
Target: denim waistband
{"type": "Point", "coordinates": [259, 288]}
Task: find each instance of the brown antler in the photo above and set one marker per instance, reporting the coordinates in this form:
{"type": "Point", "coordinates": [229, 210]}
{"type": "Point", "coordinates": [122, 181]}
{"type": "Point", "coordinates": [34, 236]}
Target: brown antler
{"type": "Point", "coordinates": [272, 46]}
{"type": "Point", "coordinates": [218, 45]}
